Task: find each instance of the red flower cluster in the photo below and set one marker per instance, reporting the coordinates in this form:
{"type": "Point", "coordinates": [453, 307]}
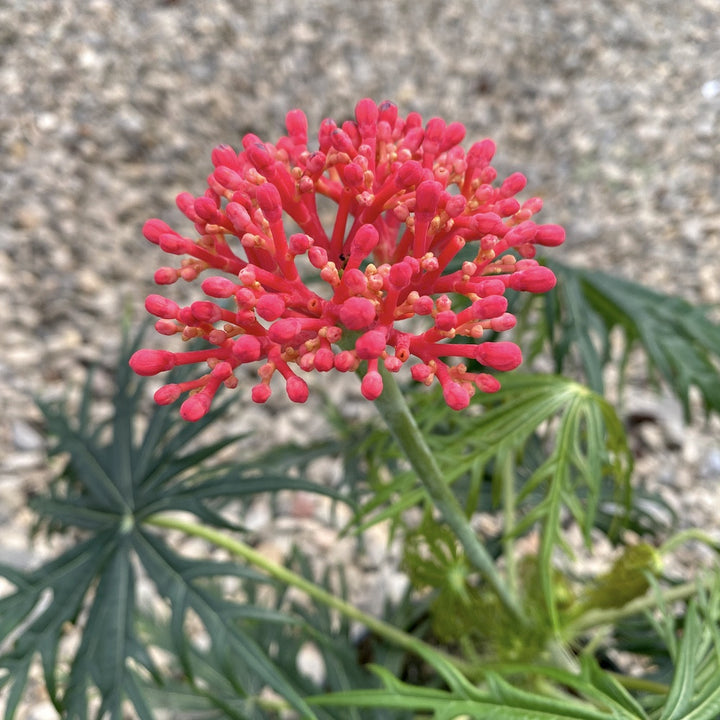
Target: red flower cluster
{"type": "Point", "coordinates": [391, 285]}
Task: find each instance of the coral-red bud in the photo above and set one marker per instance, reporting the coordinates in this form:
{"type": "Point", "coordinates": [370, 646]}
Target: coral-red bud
{"type": "Point", "coordinates": [453, 135]}
{"type": "Point", "coordinates": [365, 240]}
{"type": "Point", "coordinates": [206, 311]}
{"type": "Point", "coordinates": [445, 320]}
{"type": "Point", "coordinates": [501, 355]}
{"type": "Point", "coordinates": [152, 362]}
{"type": "Point", "coordinates": [270, 306]}
{"type": "Point", "coordinates": [421, 372]}
{"type": "Point", "coordinates": [167, 394]}
{"type": "Point", "coordinates": [388, 112]}
{"type": "Point", "coordinates": [456, 396]}
{"type": "Point", "coordinates": [228, 178]}
{"type": "Point", "coordinates": [247, 348]}
{"type": "Point", "coordinates": [341, 141]}
{"type": "Point", "coordinates": [218, 287]}
{"type": "Point", "coordinates": [485, 223]}
{"type": "Point", "coordinates": [410, 173]}
{"type": "Point", "coordinates": [400, 275]}
{"type": "Point", "coordinates": [222, 371]}
{"type": "Point", "coordinates": [490, 307]}
{"type": "Point", "coordinates": [537, 279]}
{"type": "Point", "coordinates": [297, 389]}
{"type": "Point", "coordinates": [356, 313]}
{"type": "Point", "coordinates": [455, 205]}
{"type": "Point", "coordinates": [507, 207]}
{"type": "Point", "coordinates": [269, 201]}
{"type": "Point", "coordinates": [489, 286]}
{"type": "Point", "coordinates": [506, 321]}
{"type": "Point", "coordinates": [372, 385]}
{"type": "Point", "coordinates": [195, 407]}
{"type": "Point", "coordinates": [260, 393]}
{"type": "Point", "coordinates": [550, 235]}
{"type": "Point", "coordinates": [297, 126]}
{"type": "Point", "coordinates": [427, 197]}
{"type": "Point", "coordinates": [258, 154]}
{"type": "Point", "coordinates": [206, 209]}
{"type": "Point", "coordinates": [424, 305]}
{"type": "Point", "coordinates": [238, 216]}
{"type": "Point", "coordinates": [299, 243]}
{"type": "Point", "coordinates": [318, 257]}
{"type": "Point", "coordinates": [355, 281]}
{"type": "Point", "coordinates": [185, 202]}
{"type": "Point", "coordinates": [154, 228]}
{"type": "Point", "coordinates": [481, 153]}
{"type": "Point", "coordinates": [175, 244]}
{"type": "Point", "coordinates": [512, 185]}
{"type": "Point", "coordinates": [161, 307]}
{"type": "Point", "coordinates": [522, 233]}
{"type": "Point", "coordinates": [487, 383]}
{"type": "Point", "coordinates": [224, 155]}
{"type": "Point", "coordinates": [344, 361]}
{"type": "Point", "coordinates": [353, 176]}
{"type": "Point", "coordinates": [282, 331]}
{"type": "Point", "coordinates": [166, 327]}
{"type": "Point", "coordinates": [324, 359]}
{"type": "Point", "coordinates": [370, 345]}
{"type": "Point", "coordinates": [366, 114]}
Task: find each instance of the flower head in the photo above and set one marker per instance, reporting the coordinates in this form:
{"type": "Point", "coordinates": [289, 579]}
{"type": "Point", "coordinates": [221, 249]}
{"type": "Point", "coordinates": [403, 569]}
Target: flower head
{"type": "Point", "coordinates": [388, 286]}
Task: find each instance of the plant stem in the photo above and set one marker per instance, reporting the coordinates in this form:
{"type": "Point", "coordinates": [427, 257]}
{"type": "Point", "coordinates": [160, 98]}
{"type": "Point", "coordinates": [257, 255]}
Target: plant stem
{"type": "Point", "coordinates": [507, 478]}
{"type": "Point", "coordinates": [611, 616]}
{"type": "Point", "coordinates": [281, 573]}
{"type": "Point", "coordinates": [397, 416]}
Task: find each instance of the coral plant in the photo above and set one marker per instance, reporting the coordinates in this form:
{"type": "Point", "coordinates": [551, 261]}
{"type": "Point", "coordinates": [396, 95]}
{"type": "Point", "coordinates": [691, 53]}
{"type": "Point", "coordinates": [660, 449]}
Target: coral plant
{"type": "Point", "coordinates": [409, 199]}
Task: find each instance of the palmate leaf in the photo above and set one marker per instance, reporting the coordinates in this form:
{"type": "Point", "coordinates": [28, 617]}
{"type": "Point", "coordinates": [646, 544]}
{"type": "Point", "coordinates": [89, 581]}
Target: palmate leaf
{"type": "Point", "coordinates": [680, 342]}
{"type": "Point", "coordinates": [114, 477]}
{"type": "Point", "coordinates": [583, 440]}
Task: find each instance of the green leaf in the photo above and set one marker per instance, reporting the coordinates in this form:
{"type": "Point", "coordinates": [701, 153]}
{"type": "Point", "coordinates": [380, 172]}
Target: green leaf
{"type": "Point", "coordinates": [168, 571]}
{"type": "Point", "coordinates": [679, 699]}
{"type": "Point", "coordinates": [680, 342]}
{"type": "Point", "coordinates": [500, 701]}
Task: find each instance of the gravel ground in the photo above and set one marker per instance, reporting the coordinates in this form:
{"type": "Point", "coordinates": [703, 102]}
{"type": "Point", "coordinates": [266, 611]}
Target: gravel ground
{"type": "Point", "coordinates": [109, 109]}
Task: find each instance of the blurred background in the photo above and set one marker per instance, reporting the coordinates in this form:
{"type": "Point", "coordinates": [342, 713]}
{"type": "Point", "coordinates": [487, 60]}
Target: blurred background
{"type": "Point", "coordinates": [109, 109]}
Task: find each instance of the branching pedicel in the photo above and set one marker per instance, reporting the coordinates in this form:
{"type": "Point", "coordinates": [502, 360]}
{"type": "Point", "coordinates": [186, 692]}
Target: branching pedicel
{"type": "Point", "coordinates": [408, 200]}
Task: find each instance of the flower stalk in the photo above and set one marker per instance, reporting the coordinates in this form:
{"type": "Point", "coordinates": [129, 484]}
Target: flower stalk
{"type": "Point", "coordinates": [395, 412]}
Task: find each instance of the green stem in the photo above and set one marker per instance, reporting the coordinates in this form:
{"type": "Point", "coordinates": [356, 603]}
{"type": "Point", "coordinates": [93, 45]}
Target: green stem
{"type": "Point", "coordinates": [397, 416]}
{"type": "Point", "coordinates": [507, 479]}
{"type": "Point", "coordinates": [684, 536]}
{"type": "Point", "coordinates": [281, 573]}
{"type": "Point", "coordinates": [611, 616]}
{"type": "Point", "coordinates": [639, 684]}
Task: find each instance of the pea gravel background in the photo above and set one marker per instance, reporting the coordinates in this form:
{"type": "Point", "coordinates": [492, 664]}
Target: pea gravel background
{"type": "Point", "coordinates": [108, 109]}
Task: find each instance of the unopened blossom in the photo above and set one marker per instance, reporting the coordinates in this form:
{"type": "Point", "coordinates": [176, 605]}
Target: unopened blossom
{"type": "Point", "coordinates": [423, 244]}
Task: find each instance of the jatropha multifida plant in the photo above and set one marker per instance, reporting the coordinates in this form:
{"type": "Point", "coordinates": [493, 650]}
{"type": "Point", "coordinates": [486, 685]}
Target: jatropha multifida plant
{"type": "Point", "coordinates": [385, 245]}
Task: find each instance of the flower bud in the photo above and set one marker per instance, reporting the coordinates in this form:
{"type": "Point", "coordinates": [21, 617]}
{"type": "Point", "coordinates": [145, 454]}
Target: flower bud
{"type": "Point", "coordinates": [195, 407]}
{"type": "Point", "coordinates": [372, 385]}
{"type": "Point", "coordinates": [247, 348]}
{"type": "Point", "coordinates": [152, 362]}
{"type": "Point", "coordinates": [537, 279]}
{"type": "Point", "coordinates": [370, 345]}
{"type": "Point", "coordinates": [297, 389]}
{"type": "Point", "coordinates": [357, 313]}
{"type": "Point", "coordinates": [502, 356]}
{"type": "Point", "coordinates": [456, 396]}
